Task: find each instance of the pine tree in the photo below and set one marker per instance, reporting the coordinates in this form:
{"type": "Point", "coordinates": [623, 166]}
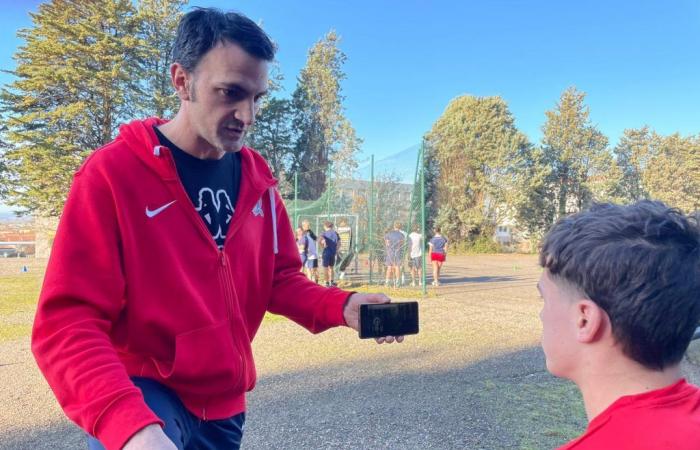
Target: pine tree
{"type": "Point", "coordinates": [78, 77]}
{"type": "Point", "coordinates": [582, 166]}
{"type": "Point", "coordinates": [673, 172]}
{"type": "Point", "coordinates": [324, 135]}
{"type": "Point", "coordinates": [272, 135]}
{"type": "Point", "coordinates": [158, 20]}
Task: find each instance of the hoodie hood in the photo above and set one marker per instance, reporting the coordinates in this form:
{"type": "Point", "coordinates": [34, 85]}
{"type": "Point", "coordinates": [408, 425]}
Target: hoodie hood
{"type": "Point", "coordinates": [143, 142]}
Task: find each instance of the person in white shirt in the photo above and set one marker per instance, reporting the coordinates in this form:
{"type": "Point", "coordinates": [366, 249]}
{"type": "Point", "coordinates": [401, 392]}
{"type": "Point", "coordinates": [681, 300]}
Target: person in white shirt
{"type": "Point", "coordinates": [416, 261]}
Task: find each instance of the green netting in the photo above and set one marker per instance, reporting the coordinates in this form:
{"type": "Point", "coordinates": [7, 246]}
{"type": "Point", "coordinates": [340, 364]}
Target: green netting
{"type": "Point", "coordinates": [363, 208]}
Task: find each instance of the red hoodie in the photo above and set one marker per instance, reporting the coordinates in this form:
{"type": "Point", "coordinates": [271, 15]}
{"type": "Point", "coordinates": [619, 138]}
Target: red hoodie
{"type": "Point", "coordinates": [137, 288]}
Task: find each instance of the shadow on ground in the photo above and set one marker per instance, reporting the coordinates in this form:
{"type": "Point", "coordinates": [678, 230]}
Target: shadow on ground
{"type": "Point", "coordinates": [506, 402]}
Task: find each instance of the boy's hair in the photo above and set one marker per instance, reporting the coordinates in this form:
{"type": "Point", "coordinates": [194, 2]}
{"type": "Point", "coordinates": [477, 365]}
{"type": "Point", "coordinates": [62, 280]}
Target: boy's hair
{"type": "Point", "coordinates": [397, 225]}
{"type": "Point", "coordinates": [437, 229]}
{"type": "Point", "coordinates": [639, 263]}
{"type": "Point", "coordinates": [202, 29]}
{"type": "Point", "coordinates": [328, 224]}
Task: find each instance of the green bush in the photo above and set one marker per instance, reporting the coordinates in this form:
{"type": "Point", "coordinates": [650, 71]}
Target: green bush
{"type": "Point", "coordinates": [482, 244]}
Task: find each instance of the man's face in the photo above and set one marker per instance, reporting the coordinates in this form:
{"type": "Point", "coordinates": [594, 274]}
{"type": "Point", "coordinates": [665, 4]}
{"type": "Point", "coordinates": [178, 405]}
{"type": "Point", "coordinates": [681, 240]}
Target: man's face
{"type": "Point", "coordinates": [225, 91]}
{"type": "Point", "coordinates": [558, 325]}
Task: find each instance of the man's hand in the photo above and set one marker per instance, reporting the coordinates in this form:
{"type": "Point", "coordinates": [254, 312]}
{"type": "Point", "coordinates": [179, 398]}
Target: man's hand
{"type": "Point", "coordinates": [151, 437]}
{"type": "Point", "coordinates": [351, 313]}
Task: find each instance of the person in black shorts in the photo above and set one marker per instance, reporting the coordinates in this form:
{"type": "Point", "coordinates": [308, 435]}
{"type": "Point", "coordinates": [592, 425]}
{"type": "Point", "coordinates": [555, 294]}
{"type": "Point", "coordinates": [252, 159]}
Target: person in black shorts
{"type": "Point", "coordinates": [330, 241]}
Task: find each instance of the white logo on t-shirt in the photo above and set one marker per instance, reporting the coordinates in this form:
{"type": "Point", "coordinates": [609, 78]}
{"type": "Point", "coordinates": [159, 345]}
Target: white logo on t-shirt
{"type": "Point", "coordinates": [210, 203]}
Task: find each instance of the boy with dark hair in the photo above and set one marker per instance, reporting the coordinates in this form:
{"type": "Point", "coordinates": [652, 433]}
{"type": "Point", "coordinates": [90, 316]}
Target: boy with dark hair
{"type": "Point", "coordinates": [621, 290]}
{"type": "Point", "coordinates": [330, 241]}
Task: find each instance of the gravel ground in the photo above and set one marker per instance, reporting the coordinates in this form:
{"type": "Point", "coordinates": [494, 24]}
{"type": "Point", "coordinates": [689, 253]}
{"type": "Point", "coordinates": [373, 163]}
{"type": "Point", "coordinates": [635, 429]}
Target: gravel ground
{"type": "Point", "coordinates": [474, 378]}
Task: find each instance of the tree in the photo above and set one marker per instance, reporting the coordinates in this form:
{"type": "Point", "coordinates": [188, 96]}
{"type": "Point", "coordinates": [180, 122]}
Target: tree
{"type": "Point", "coordinates": [476, 152]}
{"type": "Point", "coordinates": [535, 200]}
{"type": "Point", "coordinates": [632, 153]}
{"type": "Point", "coordinates": [672, 174]}
{"type": "Point", "coordinates": [582, 166]}
{"type": "Point", "coordinates": [77, 78]}
{"type": "Point", "coordinates": [272, 136]}
{"type": "Point", "coordinates": [324, 135]}
{"type": "Point", "coordinates": [665, 168]}
{"type": "Point", "coordinates": [158, 22]}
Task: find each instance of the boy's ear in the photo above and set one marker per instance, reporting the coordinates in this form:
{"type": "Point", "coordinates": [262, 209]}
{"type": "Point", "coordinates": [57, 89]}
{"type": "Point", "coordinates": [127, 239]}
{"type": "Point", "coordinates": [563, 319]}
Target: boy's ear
{"type": "Point", "coordinates": [591, 321]}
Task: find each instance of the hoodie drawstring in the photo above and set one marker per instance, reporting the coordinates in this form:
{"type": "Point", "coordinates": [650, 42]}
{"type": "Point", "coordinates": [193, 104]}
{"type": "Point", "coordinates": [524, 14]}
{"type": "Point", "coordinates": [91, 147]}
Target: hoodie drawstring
{"type": "Point", "coordinates": [274, 218]}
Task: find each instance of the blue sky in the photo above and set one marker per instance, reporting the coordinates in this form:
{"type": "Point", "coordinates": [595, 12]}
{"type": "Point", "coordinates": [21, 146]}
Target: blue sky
{"type": "Point", "coordinates": [638, 61]}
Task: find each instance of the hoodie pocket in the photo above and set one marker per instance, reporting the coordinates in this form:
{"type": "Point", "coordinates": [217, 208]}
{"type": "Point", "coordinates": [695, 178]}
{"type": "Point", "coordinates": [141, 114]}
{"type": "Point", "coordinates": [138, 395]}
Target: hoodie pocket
{"type": "Point", "coordinates": [206, 361]}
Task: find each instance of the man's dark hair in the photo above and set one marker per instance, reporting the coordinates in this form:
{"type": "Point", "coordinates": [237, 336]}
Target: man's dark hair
{"type": "Point", "coordinates": [641, 264]}
{"type": "Point", "coordinates": [203, 28]}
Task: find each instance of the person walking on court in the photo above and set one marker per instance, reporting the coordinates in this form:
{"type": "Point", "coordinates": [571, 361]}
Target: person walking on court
{"type": "Point", "coordinates": [302, 246]}
{"type": "Point", "coordinates": [311, 251]}
{"type": "Point", "coordinates": [330, 241]}
{"type": "Point", "coordinates": [394, 242]}
{"type": "Point", "coordinates": [345, 249]}
{"type": "Point", "coordinates": [438, 254]}
{"type": "Point", "coordinates": [416, 261]}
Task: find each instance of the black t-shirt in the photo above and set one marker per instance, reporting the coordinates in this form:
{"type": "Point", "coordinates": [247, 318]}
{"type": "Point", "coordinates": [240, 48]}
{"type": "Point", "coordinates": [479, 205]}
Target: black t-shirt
{"type": "Point", "coordinates": [212, 185]}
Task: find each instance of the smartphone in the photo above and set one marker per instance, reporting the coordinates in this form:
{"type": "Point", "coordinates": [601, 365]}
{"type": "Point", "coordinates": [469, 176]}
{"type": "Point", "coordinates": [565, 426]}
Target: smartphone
{"type": "Point", "coordinates": [388, 319]}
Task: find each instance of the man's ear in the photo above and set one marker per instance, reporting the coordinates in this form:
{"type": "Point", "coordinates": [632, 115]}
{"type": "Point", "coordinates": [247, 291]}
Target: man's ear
{"type": "Point", "coordinates": [180, 79]}
{"type": "Point", "coordinates": [591, 321]}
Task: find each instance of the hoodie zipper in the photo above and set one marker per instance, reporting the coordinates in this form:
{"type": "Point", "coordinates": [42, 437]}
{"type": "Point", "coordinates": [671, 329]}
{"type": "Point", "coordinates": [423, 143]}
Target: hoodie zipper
{"type": "Point", "coordinates": [225, 275]}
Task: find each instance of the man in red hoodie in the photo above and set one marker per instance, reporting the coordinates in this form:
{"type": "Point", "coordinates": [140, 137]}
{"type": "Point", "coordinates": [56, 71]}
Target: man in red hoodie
{"type": "Point", "coordinates": [172, 246]}
{"type": "Point", "coordinates": [621, 291]}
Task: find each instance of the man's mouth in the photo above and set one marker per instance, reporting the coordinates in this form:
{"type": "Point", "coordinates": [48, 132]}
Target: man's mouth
{"type": "Point", "coordinates": [234, 131]}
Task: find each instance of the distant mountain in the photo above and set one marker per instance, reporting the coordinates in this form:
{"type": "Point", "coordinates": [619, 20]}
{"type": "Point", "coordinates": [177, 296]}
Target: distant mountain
{"type": "Point", "coordinates": [401, 165]}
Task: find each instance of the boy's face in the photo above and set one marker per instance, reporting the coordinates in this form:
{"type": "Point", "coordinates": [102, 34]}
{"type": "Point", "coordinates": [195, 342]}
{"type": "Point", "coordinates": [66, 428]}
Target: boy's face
{"type": "Point", "coordinates": [558, 325]}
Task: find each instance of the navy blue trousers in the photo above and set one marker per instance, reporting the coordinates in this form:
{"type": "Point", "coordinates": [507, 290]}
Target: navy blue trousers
{"type": "Point", "coordinates": [186, 430]}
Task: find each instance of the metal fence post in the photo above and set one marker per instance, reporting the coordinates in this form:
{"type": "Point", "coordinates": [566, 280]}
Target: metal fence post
{"type": "Point", "coordinates": [422, 210]}
{"type": "Point", "coordinates": [371, 215]}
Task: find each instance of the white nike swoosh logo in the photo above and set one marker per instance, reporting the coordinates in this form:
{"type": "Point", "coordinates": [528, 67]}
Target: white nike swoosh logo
{"type": "Point", "coordinates": [155, 212]}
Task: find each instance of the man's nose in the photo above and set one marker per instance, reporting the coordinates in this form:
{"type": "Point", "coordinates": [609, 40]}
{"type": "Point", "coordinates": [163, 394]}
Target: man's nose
{"type": "Point", "coordinates": [245, 112]}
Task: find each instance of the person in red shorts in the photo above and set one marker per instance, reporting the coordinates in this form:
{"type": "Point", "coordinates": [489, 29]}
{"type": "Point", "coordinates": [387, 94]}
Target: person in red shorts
{"type": "Point", "coordinates": [621, 291]}
{"type": "Point", "coordinates": [438, 253]}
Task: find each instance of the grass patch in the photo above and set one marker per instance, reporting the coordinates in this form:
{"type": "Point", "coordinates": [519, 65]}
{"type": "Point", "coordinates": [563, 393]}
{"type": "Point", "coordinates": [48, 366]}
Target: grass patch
{"type": "Point", "coordinates": [270, 318]}
{"type": "Point", "coordinates": [542, 412]}
{"type": "Point", "coordinates": [9, 332]}
{"type": "Point", "coordinates": [19, 293]}
{"type": "Point", "coordinates": [402, 292]}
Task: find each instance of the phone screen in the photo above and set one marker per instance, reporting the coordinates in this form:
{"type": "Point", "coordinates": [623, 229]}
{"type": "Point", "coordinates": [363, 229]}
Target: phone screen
{"type": "Point", "coordinates": [388, 319]}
